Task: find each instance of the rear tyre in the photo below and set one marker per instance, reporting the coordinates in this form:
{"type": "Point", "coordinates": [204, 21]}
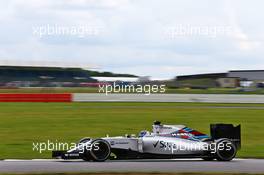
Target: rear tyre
{"type": "Point", "coordinates": [226, 150]}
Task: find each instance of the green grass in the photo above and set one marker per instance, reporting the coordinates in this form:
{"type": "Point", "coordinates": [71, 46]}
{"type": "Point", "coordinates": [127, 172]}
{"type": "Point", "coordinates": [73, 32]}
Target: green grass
{"type": "Point", "coordinates": [21, 124]}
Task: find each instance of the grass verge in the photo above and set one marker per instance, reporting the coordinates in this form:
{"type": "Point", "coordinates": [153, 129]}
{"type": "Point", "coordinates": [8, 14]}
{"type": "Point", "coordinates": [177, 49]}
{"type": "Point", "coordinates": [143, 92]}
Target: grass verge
{"type": "Point", "coordinates": [21, 124]}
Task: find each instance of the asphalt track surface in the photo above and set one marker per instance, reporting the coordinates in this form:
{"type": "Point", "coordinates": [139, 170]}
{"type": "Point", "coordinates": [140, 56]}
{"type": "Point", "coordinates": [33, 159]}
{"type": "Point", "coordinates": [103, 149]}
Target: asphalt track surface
{"type": "Point", "coordinates": [185, 165]}
{"type": "Point", "coordinates": [207, 98]}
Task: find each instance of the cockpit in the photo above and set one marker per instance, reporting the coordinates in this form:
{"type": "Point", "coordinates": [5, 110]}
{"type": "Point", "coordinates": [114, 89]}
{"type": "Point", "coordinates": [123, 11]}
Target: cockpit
{"type": "Point", "coordinates": [177, 131]}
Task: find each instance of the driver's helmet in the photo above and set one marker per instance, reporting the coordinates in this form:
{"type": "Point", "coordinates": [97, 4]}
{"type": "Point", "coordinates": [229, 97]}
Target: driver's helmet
{"type": "Point", "coordinates": [143, 133]}
{"type": "Point", "coordinates": [156, 127]}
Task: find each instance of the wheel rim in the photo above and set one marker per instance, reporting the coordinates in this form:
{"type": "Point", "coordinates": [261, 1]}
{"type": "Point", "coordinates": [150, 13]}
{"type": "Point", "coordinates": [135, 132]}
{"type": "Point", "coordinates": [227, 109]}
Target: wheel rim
{"type": "Point", "coordinates": [225, 153]}
{"type": "Point", "coordinates": [100, 150]}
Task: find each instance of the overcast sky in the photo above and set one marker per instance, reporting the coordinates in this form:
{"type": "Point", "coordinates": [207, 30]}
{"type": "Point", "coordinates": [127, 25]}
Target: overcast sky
{"type": "Point", "coordinates": [159, 38]}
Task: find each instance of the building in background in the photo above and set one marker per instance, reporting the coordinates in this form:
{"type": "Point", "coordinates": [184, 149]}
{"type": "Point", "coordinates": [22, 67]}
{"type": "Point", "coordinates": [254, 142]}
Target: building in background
{"type": "Point", "coordinates": [231, 79]}
{"type": "Point", "coordinates": [228, 82]}
{"type": "Point", "coordinates": [27, 76]}
{"type": "Point", "coordinates": [116, 79]}
{"type": "Point", "coordinates": [32, 76]}
{"type": "Point", "coordinates": [18, 76]}
{"type": "Point", "coordinates": [253, 78]}
{"type": "Point", "coordinates": [199, 81]}
{"type": "Point", "coordinates": [252, 75]}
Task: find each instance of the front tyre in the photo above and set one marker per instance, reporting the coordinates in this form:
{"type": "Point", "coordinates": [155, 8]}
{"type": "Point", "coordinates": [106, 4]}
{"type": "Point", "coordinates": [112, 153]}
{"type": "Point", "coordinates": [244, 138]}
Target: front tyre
{"type": "Point", "coordinates": [225, 150]}
{"type": "Point", "coordinates": [85, 155]}
{"type": "Point", "coordinates": [100, 150]}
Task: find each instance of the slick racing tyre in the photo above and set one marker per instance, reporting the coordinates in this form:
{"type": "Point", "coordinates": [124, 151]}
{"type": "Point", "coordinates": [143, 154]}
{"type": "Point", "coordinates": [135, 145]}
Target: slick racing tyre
{"type": "Point", "coordinates": [100, 150]}
{"type": "Point", "coordinates": [85, 155]}
{"type": "Point", "coordinates": [225, 150]}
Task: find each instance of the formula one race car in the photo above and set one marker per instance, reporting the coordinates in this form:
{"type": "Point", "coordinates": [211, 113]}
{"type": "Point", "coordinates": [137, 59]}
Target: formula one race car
{"type": "Point", "coordinates": [164, 142]}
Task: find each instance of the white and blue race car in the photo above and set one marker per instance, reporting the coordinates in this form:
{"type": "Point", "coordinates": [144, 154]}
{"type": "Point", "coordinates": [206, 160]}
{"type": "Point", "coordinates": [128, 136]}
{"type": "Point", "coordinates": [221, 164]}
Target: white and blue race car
{"type": "Point", "coordinates": [164, 142]}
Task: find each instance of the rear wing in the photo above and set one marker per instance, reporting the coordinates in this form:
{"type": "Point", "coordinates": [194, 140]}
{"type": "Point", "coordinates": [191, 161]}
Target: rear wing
{"type": "Point", "coordinates": [227, 131]}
